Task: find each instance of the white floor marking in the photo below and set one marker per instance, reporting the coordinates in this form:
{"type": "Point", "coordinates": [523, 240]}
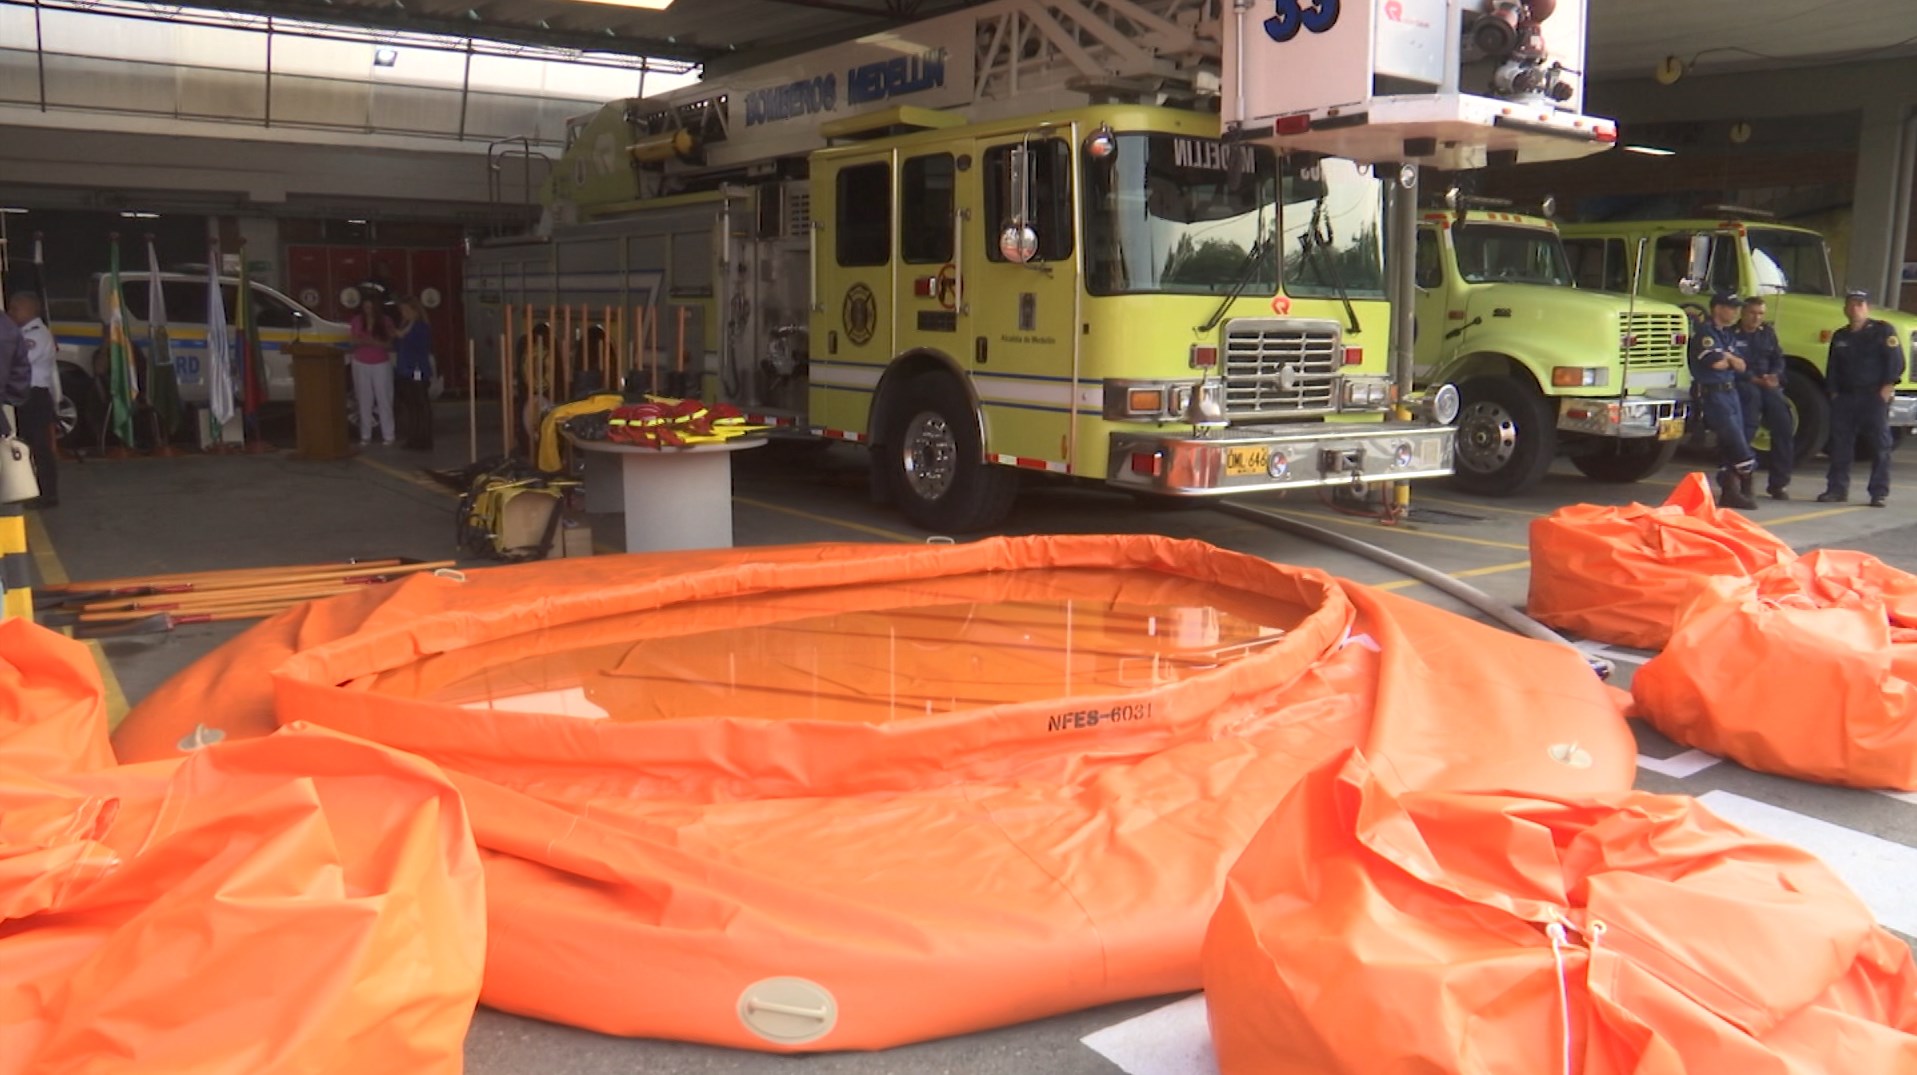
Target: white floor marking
{"type": "Point", "coordinates": [1907, 796]}
{"type": "Point", "coordinates": [1679, 766]}
{"type": "Point", "coordinates": [1173, 1040]}
{"type": "Point", "coordinates": [1878, 870]}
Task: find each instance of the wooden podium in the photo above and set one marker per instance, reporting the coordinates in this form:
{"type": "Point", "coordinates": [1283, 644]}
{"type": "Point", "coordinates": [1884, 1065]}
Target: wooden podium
{"type": "Point", "coordinates": [319, 401]}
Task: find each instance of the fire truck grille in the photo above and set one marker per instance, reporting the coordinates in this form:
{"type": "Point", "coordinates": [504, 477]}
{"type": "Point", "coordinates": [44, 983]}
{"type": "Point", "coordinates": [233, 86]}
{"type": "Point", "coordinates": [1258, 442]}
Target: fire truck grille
{"type": "Point", "coordinates": [1281, 369]}
{"type": "Point", "coordinates": [1650, 339]}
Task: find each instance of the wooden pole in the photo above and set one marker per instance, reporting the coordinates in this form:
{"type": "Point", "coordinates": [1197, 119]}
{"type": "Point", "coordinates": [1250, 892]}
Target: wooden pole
{"type": "Point", "coordinates": [472, 400]}
{"type": "Point", "coordinates": [506, 385]}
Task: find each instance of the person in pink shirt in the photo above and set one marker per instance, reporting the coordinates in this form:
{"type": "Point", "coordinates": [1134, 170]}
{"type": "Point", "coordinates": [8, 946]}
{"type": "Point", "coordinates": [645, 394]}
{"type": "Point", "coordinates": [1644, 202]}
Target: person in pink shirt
{"type": "Point", "coordinates": [373, 370]}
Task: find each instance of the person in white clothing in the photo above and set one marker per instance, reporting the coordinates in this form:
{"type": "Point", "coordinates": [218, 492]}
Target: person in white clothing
{"type": "Point", "coordinates": [39, 421]}
{"type": "Point", "coordinates": [373, 371]}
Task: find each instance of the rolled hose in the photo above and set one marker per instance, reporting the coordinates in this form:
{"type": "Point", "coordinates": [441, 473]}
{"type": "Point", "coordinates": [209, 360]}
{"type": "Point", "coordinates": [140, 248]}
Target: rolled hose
{"type": "Point", "coordinates": [1504, 615]}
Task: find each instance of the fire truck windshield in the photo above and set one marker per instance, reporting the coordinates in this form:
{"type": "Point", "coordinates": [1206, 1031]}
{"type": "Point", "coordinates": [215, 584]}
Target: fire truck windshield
{"type": "Point", "coordinates": [1792, 262]}
{"type": "Point", "coordinates": [1170, 214]}
{"type": "Point", "coordinates": [1490, 253]}
{"type": "Point", "coordinates": [1333, 229]}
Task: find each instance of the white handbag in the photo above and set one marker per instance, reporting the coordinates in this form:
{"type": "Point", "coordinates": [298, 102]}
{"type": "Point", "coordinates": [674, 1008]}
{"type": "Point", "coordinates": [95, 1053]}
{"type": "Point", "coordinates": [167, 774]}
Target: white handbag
{"type": "Point", "coordinates": [17, 482]}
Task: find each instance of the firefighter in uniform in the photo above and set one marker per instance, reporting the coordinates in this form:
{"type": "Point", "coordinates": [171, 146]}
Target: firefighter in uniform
{"type": "Point", "coordinates": [1866, 362]}
{"type": "Point", "coordinates": [1760, 392]}
{"type": "Point", "coordinates": [1717, 358]}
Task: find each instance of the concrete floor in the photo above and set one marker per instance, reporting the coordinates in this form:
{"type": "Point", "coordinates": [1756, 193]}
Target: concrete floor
{"type": "Point", "coordinates": [126, 517]}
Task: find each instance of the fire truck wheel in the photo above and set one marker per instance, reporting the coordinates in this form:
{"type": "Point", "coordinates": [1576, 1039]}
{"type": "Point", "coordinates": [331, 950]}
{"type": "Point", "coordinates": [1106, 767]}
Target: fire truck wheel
{"type": "Point", "coordinates": [1810, 414]}
{"type": "Point", "coordinates": [1506, 437]}
{"type": "Point", "coordinates": [930, 455]}
{"type": "Point", "coordinates": [1625, 461]}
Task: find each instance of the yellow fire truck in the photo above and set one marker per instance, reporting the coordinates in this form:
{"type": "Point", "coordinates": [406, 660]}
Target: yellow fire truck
{"type": "Point", "coordinates": [1005, 239]}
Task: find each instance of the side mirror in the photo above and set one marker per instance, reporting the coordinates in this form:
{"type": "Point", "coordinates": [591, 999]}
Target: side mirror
{"type": "Point", "coordinates": [1700, 259]}
{"type": "Point", "coordinates": [1690, 285]}
{"type": "Point", "coordinates": [1018, 240]}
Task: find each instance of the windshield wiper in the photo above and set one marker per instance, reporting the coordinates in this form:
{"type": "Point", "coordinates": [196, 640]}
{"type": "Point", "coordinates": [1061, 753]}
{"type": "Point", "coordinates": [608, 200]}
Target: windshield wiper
{"type": "Point", "coordinates": [1252, 258]}
{"type": "Point", "coordinates": [1315, 240]}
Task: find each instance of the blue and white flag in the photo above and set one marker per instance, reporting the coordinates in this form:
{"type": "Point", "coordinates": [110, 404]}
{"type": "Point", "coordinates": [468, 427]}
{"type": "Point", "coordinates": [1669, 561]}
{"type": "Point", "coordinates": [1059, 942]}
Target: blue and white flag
{"type": "Point", "coordinates": [219, 346]}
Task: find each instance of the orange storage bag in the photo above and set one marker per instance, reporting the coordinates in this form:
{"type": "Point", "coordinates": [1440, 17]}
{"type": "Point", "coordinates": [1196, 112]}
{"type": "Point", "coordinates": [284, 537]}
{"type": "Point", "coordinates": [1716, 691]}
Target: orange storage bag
{"type": "Point", "coordinates": [1372, 929]}
{"type": "Point", "coordinates": [1618, 574]}
{"type": "Point", "coordinates": [301, 903]}
{"type": "Point", "coordinates": [848, 797]}
{"type": "Point", "coordinates": [1807, 670]}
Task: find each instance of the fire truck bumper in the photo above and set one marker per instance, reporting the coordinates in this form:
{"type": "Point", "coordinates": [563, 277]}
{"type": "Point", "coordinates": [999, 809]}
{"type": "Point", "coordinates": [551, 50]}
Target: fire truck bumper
{"type": "Point", "coordinates": [1630, 418]}
{"type": "Point", "coordinates": [1254, 459]}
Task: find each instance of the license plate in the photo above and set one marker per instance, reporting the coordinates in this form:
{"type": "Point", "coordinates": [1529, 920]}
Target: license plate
{"type": "Point", "coordinates": [1250, 459]}
{"type": "Point", "coordinates": [1670, 428]}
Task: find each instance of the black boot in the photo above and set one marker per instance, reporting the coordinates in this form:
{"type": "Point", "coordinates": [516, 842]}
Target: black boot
{"type": "Point", "coordinates": [1744, 478]}
{"type": "Point", "coordinates": [1730, 490]}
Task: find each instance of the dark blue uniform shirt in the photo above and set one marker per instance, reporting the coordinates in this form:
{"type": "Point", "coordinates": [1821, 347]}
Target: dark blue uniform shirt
{"type": "Point", "coordinates": [1763, 355]}
{"type": "Point", "coordinates": [1865, 359]}
{"type": "Point", "coordinates": [1707, 339]}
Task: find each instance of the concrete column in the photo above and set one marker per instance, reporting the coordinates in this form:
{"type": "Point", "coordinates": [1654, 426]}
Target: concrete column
{"type": "Point", "coordinates": [1876, 255]}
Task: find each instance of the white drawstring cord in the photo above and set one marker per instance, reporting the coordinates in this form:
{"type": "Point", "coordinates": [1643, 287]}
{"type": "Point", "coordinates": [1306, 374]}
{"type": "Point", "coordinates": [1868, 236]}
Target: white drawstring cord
{"type": "Point", "coordinates": [1558, 929]}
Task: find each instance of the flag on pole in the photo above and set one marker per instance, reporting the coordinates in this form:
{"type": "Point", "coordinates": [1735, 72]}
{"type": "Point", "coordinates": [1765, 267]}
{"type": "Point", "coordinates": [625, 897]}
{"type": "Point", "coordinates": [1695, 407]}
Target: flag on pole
{"type": "Point", "coordinates": [219, 348]}
{"type": "Point", "coordinates": [252, 362]}
{"type": "Point", "coordinates": [122, 383]}
{"type": "Point", "coordinates": [163, 388]}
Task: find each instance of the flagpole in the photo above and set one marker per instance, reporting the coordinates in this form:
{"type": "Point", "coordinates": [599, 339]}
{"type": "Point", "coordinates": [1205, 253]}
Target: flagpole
{"type": "Point", "coordinates": [472, 401]}
{"type": "Point", "coordinates": [163, 390]}
{"type": "Point", "coordinates": [506, 383]}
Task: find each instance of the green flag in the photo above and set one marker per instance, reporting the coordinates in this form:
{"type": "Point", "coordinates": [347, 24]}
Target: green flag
{"type": "Point", "coordinates": [120, 375]}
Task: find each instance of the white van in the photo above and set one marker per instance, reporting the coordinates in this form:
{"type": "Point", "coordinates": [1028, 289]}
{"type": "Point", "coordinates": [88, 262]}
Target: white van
{"type": "Point", "coordinates": [281, 321]}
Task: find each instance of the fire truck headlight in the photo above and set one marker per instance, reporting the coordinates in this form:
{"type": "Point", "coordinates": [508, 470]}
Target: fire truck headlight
{"type": "Point", "coordinates": [1445, 404]}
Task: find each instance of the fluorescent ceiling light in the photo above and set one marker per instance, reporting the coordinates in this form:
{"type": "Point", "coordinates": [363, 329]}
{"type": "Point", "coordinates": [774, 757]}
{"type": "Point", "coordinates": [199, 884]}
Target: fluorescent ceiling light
{"type": "Point", "coordinates": [11, 209]}
{"type": "Point", "coordinates": [351, 220]}
{"type": "Point", "coordinates": [647, 5]}
{"type": "Point", "coordinates": [385, 57]}
{"type": "Point", "coordinates": [141, 216]}
{"type": "Point", "coordinates": [1650, 151]}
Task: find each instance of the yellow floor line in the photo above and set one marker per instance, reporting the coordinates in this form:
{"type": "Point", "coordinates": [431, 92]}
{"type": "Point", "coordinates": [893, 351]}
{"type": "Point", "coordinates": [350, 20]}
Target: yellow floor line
{"type": "Point", "coordinates": [846, 524]}
{"type": "Point", "coordinates": [1417, 496]}
{"type": "Point", "coordinates": [405, 476]}
{"type": "Point", "coordinates": [1494, 569]}
{"type": "Point", "coordinates": [54, 573]}
{"type": "Point", "coordinates": [1804, 517]}
{"type": "Point", "coordinates": [1373, 527]}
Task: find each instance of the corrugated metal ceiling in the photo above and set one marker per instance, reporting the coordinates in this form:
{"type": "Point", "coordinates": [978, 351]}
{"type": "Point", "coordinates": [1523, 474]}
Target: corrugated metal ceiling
{"type": "Point", "coordinates": [1628, 37]}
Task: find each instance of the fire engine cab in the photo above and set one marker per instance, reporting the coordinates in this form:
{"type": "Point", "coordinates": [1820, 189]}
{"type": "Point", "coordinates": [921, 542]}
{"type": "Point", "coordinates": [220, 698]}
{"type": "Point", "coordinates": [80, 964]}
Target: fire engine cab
{"type": "Point", "coordinates": [1006, 239]}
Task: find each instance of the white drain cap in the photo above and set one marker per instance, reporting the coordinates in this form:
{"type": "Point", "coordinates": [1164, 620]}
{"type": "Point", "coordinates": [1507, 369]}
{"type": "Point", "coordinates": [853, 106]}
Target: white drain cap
{"type": "Point", "coordinates": [789, 1011]}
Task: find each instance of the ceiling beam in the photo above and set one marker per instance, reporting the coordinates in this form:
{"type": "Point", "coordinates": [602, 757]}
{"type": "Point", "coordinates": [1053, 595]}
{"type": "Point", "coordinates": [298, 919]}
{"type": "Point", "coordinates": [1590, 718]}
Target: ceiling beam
{"type": "Point", "coordinates": [396, 17]}
{"type": "Point", "coordinates": [887, 13]}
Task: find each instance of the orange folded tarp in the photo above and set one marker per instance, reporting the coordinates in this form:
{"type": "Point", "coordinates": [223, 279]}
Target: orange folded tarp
{"type": "Point", "coordinates": [1618, 574]}
{"type": "Point", "coordinates": [1370, 929]}
{"type": "Point", "coordinates": [303, 903]}
{"type": "Point", "coordinates": [1808, 669]}
{"type": "Point", "coordinates": [946, 788]}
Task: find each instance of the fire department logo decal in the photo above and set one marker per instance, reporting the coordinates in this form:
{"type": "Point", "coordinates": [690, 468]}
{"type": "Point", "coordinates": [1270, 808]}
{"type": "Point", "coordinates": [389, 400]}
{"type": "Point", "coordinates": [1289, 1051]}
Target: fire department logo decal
{"type": "Point", "coordinates": [860, 314]}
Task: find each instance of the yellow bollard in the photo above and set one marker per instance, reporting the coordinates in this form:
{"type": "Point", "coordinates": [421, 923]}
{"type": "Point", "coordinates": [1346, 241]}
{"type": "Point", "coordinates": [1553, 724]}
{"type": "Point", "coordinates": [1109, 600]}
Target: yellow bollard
{"type": "Point", "coordinates": [16, 571]}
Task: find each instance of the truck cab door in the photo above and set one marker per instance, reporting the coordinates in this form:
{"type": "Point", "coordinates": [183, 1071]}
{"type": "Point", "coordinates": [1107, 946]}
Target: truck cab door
{"type": "Point", "coordinates": [855, 303]}
{"type": "Point", "coordinates": [1017, 308]}
{"type": "Point", "coordinates": [1431, 318]}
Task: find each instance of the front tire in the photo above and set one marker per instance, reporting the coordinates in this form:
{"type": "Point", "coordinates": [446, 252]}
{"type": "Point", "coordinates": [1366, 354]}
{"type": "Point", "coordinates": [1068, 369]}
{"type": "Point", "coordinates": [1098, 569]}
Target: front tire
{"type": "Point", "coordinates": [1625, 461]}
{"type": "Point", "coordinates": [1507, 434]}
{"type": "Point", "coordinates": [930, 458]}
{"type": "Point", "coordinates": [1810, 409]}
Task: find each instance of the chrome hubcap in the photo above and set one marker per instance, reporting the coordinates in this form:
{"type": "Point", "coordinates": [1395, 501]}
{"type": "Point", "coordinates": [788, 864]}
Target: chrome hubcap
{"type": "Point", "coordinates": [929, 456]}
{"type": "Point", "coordinates": [1487, 437]}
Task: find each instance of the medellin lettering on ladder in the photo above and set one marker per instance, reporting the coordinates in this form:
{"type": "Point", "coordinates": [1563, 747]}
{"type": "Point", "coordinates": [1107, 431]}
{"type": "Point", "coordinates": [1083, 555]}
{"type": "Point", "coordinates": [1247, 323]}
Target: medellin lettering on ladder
{"type": "Point", "coordinates": [864, 84]}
